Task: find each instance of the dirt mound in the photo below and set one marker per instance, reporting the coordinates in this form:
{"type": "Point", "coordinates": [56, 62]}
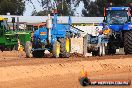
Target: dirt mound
{"type": "Point", "coordinates": [77, 55]}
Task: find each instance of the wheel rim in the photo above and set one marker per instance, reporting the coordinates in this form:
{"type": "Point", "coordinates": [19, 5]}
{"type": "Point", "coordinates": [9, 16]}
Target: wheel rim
{"type": "Point", "coordinates": [67, 45]}
{"type": "Point", "coordinates": [57, 49]}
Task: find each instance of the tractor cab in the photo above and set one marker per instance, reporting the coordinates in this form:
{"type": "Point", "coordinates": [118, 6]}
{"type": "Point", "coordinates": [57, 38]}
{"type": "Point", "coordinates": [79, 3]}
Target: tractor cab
{"type": "Point", "coordinates": [117, 15]}
{"type": "Point", "coordinates": [3, 25]}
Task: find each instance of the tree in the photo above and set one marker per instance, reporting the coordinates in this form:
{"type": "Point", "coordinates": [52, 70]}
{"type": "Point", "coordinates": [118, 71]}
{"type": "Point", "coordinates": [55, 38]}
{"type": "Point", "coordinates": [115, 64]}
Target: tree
{"type": "Point", "coordinates": [117, 2]}
{"type": "Point", "coordinates": [41, 13]}
{"type": "Point", "coordinates": [63, 7]}
{"type": "Point", "coordinates": [96, 8]}
{"type": "Point", "coordinates": [92, 8]}
{"type": "Point", "coordinates": [14, 7]}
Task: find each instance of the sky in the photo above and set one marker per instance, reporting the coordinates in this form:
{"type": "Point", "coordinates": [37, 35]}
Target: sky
{"type": "Point", "coordinates": [29, 8]}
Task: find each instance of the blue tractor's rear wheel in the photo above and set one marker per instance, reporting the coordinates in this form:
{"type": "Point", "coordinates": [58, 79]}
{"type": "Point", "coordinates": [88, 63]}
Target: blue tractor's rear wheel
{"type": "Point", "coordinates": [128, 42]}
{"type": "Point", "coordinates": [65, 45]}
{"type": "Point", "coordinates": [56, 49]}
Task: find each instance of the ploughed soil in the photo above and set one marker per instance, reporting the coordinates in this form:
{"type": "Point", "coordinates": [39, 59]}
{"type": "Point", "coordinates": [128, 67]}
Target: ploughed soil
{"type": "Point", "coordinates": [16, 71]}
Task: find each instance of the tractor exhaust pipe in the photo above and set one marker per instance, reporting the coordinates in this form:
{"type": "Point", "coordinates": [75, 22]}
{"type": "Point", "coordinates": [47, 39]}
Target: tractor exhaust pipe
{"type": "Point", "coordinates": [49, 26]}
{"type": "Point", "coordinates": [104, 14]}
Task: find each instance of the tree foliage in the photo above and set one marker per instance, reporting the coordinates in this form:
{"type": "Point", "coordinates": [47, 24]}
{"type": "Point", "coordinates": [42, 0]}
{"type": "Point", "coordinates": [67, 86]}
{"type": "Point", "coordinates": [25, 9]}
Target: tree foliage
{"type": "Point", "coordinates": [119, 2]}
{"type": "Point", "coordinates": [93, 8]}
{"type": "Point", "coordinates": [14, 7]}
{"type": "Point", "coordinates": [96, 8]}
{"type": "Point", "coordinates": [63, 7]}
{"type": "Point", "coordinates": [41, 13]}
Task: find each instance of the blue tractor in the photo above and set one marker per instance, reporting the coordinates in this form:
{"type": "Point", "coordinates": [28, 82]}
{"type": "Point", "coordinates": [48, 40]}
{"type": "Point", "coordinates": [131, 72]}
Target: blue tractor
{"type": "Point", "coordinates": [54, 37]}
{"type": "Point", "coordinates": [118, 19]}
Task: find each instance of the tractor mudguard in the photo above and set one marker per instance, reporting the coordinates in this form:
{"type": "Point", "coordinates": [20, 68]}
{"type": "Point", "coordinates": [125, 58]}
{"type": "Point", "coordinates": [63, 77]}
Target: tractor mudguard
{"type": "Point", "coordinates": [127, 27]}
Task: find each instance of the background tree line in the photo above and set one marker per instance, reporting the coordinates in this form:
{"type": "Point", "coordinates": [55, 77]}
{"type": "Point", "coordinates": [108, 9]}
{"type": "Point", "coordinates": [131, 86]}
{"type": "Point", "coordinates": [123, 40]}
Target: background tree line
{"type": "Point", "coordinates": [64, 7]}
{"type": "Point", "coordinates": [14, 7]}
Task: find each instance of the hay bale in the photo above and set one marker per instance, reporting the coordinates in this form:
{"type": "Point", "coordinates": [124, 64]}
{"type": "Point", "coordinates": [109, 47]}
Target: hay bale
{"type": "Point", "coordinates": [77, 45]}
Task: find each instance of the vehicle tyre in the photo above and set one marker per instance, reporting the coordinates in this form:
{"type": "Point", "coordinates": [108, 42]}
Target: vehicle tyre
{"type": "Point", "coordinates": [84, 81]}
{"type": "Point", "coordinates": [28, 48]}
{"type": "Point", "coordinates": [65, 46]}
{"type": "Point", "coordinates": [111, 48]}
{"type": "Point", "coordinates": [128, 42]}
{"type": "Point", "coordinates": [56, 49]}
{"type": "Point", "coordinates": [38, 53]}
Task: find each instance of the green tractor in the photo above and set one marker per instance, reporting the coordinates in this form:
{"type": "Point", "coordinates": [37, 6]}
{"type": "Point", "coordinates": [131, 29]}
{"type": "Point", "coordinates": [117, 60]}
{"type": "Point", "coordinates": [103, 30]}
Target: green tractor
{"type": "Point", "coordinates": [9, 38]}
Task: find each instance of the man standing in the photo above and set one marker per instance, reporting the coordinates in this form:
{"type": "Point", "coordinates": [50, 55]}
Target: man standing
{"type": "Point", "coordinates": [103, 34]}
{"type": "Point", "coordinates": [101, 43]}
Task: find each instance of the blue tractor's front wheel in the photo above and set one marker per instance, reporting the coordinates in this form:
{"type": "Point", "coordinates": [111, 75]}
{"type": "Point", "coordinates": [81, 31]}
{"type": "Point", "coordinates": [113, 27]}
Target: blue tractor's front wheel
{"type": "Point", "coordinates": [38, 53]}
{"type": "Point", "coordinates": [28, 48]}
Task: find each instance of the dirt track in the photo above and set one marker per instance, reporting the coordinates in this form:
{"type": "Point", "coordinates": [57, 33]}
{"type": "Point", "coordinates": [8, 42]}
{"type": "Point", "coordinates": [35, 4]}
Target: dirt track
{"type": "Point", "coordinates": [16, 71]}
